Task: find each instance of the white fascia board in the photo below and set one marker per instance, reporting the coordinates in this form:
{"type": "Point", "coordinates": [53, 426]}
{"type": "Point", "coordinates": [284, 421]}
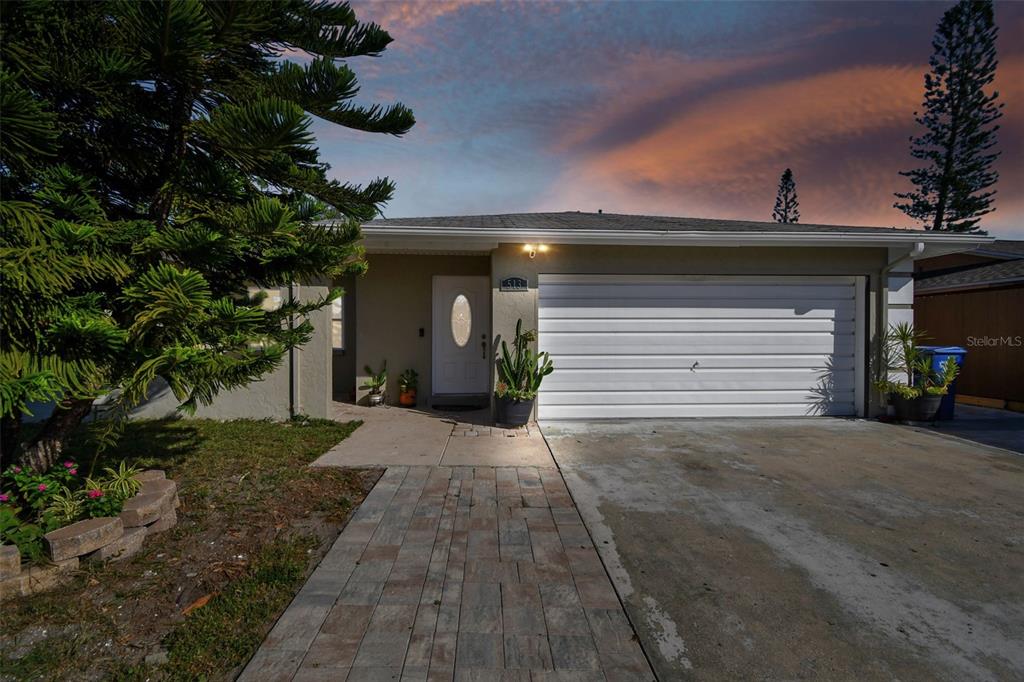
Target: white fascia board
{"type": "Point", "coordinates": [467, 237]}
{"type": "Point", "coordinates": [421, 244]}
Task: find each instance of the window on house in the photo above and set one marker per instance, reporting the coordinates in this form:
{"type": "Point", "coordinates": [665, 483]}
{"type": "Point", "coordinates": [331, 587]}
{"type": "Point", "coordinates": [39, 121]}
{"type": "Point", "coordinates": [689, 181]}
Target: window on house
{"type": "Point", "coordinates": [338, 323]}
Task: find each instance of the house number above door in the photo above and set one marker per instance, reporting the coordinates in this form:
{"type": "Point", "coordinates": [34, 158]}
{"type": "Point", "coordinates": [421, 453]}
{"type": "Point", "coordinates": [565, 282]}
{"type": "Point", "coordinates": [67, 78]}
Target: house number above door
{"type": "Point", "coordinates": [514, 284]}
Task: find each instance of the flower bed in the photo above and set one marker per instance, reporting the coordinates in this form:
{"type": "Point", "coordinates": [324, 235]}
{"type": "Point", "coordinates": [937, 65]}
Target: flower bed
{"type": "Point", "coordinates": [51, 522]}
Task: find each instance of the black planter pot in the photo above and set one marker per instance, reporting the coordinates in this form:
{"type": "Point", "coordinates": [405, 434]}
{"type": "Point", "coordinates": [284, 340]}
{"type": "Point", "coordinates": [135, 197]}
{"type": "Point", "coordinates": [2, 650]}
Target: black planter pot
{"type": "Point", "coordinates": [513, 412]}
{"type": "Point", "coordinates": [921, 409]}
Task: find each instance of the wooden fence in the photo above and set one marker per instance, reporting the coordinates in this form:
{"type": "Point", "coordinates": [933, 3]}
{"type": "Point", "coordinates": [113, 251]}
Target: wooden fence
{"type": "Point", "coordinates": [989, 323]}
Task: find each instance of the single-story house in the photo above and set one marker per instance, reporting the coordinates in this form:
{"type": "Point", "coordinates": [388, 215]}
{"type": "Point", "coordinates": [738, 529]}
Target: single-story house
{"type": "Point", "coordinates": [644, 316]}
{"type": "Point", "coordinates": [976, 300]}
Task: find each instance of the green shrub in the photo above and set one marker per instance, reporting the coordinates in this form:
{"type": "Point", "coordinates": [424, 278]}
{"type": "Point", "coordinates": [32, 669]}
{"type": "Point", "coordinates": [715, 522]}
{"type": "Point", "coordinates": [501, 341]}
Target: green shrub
{"type": "Point", "coordinates": [32, 504]}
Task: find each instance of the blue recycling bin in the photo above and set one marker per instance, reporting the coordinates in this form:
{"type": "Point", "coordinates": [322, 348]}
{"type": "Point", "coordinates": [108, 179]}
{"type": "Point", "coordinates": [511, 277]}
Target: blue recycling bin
{"type": "Point", "coordinates": [939, 355]}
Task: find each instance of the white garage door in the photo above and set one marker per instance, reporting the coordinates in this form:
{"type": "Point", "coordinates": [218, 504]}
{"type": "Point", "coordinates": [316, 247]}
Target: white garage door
{"type": "Point", "coordinates": [634, 346]}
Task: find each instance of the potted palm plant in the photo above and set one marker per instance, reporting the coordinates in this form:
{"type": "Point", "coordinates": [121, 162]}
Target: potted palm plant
{"type": "Point", "coordinates": [375, 383]}
{"type": "Point", "coordinates": [407, 383]}
{"type": "Point", "coordinates": [917, 393]}
{"type": "Point", "coordinates": [520, 373]}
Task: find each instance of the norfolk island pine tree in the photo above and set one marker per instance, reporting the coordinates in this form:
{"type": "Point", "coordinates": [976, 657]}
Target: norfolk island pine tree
{"type": "Point", "coordinates": [156, 162]}
{"type": "Point", "coordinates": [953, 188]}
{"type": "Point", "coordinates": [787, 207]}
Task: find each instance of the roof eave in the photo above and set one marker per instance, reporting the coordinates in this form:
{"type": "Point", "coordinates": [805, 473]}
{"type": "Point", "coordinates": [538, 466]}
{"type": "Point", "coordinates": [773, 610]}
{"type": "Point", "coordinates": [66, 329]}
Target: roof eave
{"type": "Point", "coordinates": [937, 243]}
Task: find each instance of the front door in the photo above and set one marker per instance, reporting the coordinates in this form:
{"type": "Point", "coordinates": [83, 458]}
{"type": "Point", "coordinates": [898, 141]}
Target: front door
{"type": "Point", "coordinates": [461, 343]}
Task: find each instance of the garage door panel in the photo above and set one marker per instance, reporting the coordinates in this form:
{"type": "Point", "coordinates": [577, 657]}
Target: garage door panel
{"type": "Point", "coordinates": [634, 411]}
{"type": "Point", "coordinates": [684, 308]}
{"type": "Point", "coordinates": [715, 397]}
{"type": "Point", "coordinates": [705, 361]}
{"type": "Point", "coordinates": [638, 344]}
{"type": "Point", "coordinates": [701, 291]}
{"type": "Point", "coordinates": [604, 326]}
{"type": "Point", "coordinates": [707, 380]}
{"type": "Point", "coordinates": [678, 346]}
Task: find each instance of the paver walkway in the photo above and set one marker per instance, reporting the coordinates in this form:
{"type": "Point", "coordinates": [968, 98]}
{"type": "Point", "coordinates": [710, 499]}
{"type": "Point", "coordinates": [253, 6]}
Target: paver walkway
{"type": "Point", "coordinates": [457, 573]}
{"type": "Point", "coordinates": [395, 436]}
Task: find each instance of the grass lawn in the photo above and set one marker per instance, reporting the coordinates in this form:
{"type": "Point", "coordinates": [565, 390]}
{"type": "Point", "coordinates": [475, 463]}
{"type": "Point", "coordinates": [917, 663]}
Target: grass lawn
{"type": "Point", "coordinates": [199, 598]}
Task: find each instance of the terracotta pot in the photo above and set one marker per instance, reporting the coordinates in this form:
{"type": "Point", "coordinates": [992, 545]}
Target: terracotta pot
{"type": "Point", "coordinates": [407, 398]}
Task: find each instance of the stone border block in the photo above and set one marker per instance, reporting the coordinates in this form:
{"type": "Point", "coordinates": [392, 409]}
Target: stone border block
{"type": "Point", "coordinates": [121, 548]}
{"type": "Point", "coordinates": [14, 587]}
{"type": "Point", "coordinates": [150, 503]}
{"type": "Point", "coordinates": [165, 522]}
{"type": "Point", "coordinates": [150, 475]}
{"type": "Point", "coordinates": [10, 562]}
{"type": "Point", "coordinates": [83, 537]}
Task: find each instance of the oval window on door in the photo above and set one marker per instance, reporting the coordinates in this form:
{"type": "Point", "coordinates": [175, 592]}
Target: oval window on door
{"type": "Point", "coordinates": [462, 320]}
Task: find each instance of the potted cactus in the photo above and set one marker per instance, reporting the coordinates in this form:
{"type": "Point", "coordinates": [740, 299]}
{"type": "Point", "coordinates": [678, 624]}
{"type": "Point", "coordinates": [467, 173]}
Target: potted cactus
{"type": "Point", "coordinates": [407, 383]}
{"type": "Point", "coordinates": [375, 383]}
{"type": "Point", "coordinates": [520, 372]}
{"type": "Point", "coordinates": [916, 395]}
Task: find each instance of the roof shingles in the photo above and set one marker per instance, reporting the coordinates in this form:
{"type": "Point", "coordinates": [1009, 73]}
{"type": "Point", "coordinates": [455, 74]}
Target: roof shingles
{"type": "Point", "coordinates": [573, 220]}
{"type": "Point", "coordinates": [996, 274]}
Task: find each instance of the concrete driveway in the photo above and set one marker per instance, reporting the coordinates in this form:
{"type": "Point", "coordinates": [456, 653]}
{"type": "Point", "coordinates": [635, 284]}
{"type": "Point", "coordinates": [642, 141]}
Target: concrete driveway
{"type": "Point", "coordinates": [806, 549]}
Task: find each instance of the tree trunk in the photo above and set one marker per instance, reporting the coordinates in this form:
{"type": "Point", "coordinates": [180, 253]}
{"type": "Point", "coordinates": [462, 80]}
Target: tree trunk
{"type": "Point", "coordinates": [946, 180]}
{"type": "Point", "coordinates": [10, 439]}
{"type": "Point", "coordinates": [45, 449]}
{"type": "Point", "coordinates": [173, 151]}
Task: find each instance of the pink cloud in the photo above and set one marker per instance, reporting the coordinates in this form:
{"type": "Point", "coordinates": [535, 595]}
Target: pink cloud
{"type": "Point", "coordinates": [844, 133]}
{"type": "Point", "coordinates": [403, 20]}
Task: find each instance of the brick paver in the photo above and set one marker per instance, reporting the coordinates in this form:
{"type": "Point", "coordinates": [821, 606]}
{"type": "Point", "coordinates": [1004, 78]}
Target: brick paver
{"type": "Point", "coordinates": [457, 573]}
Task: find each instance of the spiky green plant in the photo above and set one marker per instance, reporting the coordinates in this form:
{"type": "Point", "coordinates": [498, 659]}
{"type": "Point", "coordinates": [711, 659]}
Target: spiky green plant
{"type": "Point", "coordinates": [156, 165]}
{"type": "Point", "coordinates": [376, 381]}
{"type": "Point", "coordinates": [902, 354]}
{"type": "Point", "coordinates": [65, 506]}
{"type": "Point", "coordinates": [121, 481]}
{"type": "Point", "coordinates": [521, 371]}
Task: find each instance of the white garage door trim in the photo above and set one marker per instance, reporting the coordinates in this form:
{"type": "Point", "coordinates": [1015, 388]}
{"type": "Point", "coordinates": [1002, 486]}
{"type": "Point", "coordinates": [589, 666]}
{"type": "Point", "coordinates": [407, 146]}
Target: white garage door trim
{"type": "Point", "coordinates": [625, 346]}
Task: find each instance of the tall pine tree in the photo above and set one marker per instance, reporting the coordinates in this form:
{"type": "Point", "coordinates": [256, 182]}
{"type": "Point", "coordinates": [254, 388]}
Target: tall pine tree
{"type": "Point", "coordinates": [157, 165]}
{"type": "Point", "coordinates": [787, 208]}
{"type": "Point", "coordinates": [952, 189]}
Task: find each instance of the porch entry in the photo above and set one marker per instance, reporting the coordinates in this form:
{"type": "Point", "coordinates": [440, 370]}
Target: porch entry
{"type": "Point", "coordinates": [461, 349]}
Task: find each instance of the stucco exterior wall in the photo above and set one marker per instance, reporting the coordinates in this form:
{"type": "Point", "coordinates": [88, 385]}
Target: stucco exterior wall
{"type": "Point", "coordinates": [511, 260]}
{"type": "Point", "coordinates": [268, 398]}
{"type": "Point", "coordinates": [393, 303]}
{"type": "Point", "coordinates": [343, 364]}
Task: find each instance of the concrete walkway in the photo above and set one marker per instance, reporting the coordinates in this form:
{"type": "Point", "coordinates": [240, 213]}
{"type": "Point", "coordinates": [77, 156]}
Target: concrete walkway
{"type": "Point", "coordinates": [457, 573]}
{"type": "Point", "coordinates": [394, 436]}
{"type": "Point", "coordinates": [998, 428]}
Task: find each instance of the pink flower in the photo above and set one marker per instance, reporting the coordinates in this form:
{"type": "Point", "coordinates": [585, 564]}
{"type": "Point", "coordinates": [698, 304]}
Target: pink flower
{"type": "Point", "coordinates": [68, 464]}
{"type": "Point", "coordinates": [17, 470]}
{"type": "Point", "coordinates": [4, 498]}
{"type": "Point", "coordinates": [93, 494]}
{"type": "Point", "coordinates": [73, 472]}
{"type": "Point", "coordinates": [42, 487]}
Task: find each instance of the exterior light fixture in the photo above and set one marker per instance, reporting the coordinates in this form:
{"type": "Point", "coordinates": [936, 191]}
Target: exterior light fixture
{"type": "Point", "coordinates": [534, 249]}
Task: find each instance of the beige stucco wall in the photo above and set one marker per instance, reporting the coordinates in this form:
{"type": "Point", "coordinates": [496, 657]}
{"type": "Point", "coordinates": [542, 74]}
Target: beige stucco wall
{"type": "Point", "coordinates": [268, 398]}
{"type": "Point", "coordinates": [510, 260]}
{"type": "Point", "coordinates": [393, 302]}
{"type": "Point", "coordinates": [343, 363]}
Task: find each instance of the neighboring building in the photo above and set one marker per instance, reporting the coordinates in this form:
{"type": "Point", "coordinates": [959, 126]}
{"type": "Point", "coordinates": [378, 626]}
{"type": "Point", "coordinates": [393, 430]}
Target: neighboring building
{"type": "Point", "coordinates": [976, 300]}
{"type": "Point", "coordinates": [643, 316]}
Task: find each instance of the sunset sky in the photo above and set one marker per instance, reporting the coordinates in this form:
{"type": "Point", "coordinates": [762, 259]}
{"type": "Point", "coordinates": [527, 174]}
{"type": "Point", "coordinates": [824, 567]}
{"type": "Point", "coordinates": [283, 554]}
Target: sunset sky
{"type": "Point", "coordinates": [687, 109]}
